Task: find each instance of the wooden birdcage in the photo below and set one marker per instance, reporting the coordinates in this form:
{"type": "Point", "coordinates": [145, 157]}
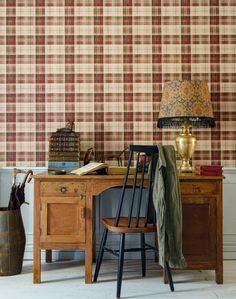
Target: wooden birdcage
{"type": "Point", "coordinates": [64, 145]}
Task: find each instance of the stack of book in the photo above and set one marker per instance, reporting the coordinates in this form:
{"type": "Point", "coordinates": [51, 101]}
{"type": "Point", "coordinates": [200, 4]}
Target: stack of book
{"type": "Point", "coordinates": [214, 170]}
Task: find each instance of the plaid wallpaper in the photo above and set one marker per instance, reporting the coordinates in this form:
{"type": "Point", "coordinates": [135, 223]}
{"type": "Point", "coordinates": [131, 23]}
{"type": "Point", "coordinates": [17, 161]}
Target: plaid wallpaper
{"type": "Point", "coordinates": [103, 64]}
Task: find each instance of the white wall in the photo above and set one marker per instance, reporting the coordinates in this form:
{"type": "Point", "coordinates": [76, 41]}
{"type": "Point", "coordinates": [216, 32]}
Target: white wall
{"type": "Point", "coordinates": [103, 205]}
{"type": "Point", "coordinates": [229, 208]}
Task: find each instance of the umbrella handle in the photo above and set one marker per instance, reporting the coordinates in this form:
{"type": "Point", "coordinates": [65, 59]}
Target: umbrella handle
{"type": "Point", "coordinates": [27, 178]}
{"type": "Point", "coordinates": [15, 172]}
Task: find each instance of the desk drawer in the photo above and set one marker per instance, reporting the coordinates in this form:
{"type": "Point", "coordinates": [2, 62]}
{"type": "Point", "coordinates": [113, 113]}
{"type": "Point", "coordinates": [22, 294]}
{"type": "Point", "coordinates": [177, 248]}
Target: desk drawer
{"type": "Point", "coordinates": [198, 187]}
{"type": "Point", "coordinates": [62, 189]}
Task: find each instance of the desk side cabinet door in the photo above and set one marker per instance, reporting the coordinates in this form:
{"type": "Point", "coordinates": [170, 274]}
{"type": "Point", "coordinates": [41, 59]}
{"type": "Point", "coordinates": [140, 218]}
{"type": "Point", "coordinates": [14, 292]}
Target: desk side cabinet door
{"type": "Point", "coordinates": [199, 231]}
{"type": "Point", "coordinates": [62, 219]}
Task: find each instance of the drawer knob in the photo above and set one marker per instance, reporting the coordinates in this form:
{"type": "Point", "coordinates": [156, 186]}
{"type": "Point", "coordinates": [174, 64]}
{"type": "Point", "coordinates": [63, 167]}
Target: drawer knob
{"type": "Point", "coordinates": [63, 189]}
{"type": "Point", "coordinates": [196, 189]}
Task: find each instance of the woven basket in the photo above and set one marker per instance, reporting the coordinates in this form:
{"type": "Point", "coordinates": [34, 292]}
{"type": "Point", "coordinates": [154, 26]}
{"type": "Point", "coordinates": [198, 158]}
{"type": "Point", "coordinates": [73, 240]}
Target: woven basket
{"type": "Point", "coordinates": [12, 241]}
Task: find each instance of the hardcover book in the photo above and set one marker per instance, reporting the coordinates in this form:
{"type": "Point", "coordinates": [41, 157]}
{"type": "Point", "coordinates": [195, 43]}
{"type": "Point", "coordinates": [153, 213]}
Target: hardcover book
{"type": "Point", "coordinates": [62, 166]}
{"type": "Point", "coordinates": [209, 169]}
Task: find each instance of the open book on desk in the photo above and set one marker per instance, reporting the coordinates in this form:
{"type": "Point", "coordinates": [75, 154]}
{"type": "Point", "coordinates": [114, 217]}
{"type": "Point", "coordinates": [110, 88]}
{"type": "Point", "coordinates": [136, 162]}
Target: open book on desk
{"type": "Point", "coordinates": [90, 167]}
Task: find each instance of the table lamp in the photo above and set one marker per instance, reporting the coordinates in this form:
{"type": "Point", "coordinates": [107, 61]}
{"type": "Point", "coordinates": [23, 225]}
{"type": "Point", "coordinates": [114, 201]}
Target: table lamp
{"type": "Point", "coordinates": [186, 104]}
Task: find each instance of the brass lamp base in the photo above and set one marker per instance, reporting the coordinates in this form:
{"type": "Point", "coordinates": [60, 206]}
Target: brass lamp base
{"type": "Point", "coordinates": [185, 143]}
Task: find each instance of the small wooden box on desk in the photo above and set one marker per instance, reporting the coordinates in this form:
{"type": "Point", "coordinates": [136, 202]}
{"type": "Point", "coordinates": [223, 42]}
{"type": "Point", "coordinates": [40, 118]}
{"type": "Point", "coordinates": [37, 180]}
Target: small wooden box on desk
{"type": "Point", "coordinates": [64, 218]}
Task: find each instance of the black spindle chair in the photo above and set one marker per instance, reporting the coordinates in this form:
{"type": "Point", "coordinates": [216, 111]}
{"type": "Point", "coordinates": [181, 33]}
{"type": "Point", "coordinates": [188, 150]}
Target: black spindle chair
{"type": "Point", "coordinates": [133, 221]}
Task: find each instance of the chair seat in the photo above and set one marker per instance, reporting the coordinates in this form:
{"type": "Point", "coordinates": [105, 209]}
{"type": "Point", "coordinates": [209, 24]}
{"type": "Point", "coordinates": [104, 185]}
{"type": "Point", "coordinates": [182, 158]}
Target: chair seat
{"type": "Point", "coordinates": [109, 223]}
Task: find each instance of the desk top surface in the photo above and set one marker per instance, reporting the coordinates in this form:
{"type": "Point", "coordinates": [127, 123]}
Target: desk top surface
{"type": "Point", "coordinates": [187, 176]}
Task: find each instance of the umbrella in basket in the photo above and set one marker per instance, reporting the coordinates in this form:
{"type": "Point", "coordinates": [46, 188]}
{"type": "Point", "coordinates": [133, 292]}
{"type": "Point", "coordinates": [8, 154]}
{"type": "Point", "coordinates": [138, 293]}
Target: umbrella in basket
{"type": "Point", "coordinates": [17, 195]}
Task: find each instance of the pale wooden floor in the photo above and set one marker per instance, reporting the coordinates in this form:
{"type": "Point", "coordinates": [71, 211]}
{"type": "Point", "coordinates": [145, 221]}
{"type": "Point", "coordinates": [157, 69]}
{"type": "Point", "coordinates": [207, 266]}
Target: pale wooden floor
{"type": "Point", "coordinates": [66, 280]}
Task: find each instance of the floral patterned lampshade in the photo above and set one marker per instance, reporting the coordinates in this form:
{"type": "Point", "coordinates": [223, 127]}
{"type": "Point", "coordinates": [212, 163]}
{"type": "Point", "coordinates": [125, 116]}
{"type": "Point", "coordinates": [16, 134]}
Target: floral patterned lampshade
{"type": "Point", "coordinates": [186, 101]}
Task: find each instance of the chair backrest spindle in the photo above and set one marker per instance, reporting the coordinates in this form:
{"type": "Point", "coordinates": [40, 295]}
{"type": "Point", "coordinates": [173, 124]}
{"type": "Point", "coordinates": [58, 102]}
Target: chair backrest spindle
{"type": "Point", "coordinates": [149, 195]}
{"type": "Point", "coordinates": [141, 191]}
{"type": "Point", "coordinates": [123, 190]}
{"type": "Point", "coordinates": [133, 192]}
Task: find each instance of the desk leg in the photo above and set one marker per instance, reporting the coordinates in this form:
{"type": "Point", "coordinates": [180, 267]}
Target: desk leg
{"type": "Point", "coordinates": [94, 232]}
{"type": "Point", "coordinates": [219, 264]}
{"type": "Point", "coordinates": [165, 278]}
{"type": "Point", "coordinates": [88, 265]}
{"type": "Point", "coordinates": [37, 265]}
{"type": "Point", "coordinates": [219, 257]}
{"type": "Point", "coordinates": [37, 250]}
{"type": "Point", "coordinates": [219, 276]}
{"type": "Point", "coordinates": [89, 238]}
{"type": "Point", "coordinates": [48, 253]}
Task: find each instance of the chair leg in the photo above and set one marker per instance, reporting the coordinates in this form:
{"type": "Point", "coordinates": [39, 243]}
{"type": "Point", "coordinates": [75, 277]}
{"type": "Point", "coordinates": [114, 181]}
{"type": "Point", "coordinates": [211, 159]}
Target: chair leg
{"type": "Point", "coordinates": [120, 265]}
{"type": "Point", "coordinates": [168, 272]}
{"type": "Point", "coordinates": [100, 254]}
{"type": "Point", "coordinates": [143, 254]}
{"type": "Point", "coordinates": [156, 253]}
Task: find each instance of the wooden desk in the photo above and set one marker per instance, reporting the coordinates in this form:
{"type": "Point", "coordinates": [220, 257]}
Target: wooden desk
{"type": "Point", "coordinates": [64, 218]}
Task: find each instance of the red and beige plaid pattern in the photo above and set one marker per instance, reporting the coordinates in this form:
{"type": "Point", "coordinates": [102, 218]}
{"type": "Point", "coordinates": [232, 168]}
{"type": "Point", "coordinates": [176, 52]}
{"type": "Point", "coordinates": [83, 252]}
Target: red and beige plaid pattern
{"type": "Point", "coordinates": [103, 63]}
